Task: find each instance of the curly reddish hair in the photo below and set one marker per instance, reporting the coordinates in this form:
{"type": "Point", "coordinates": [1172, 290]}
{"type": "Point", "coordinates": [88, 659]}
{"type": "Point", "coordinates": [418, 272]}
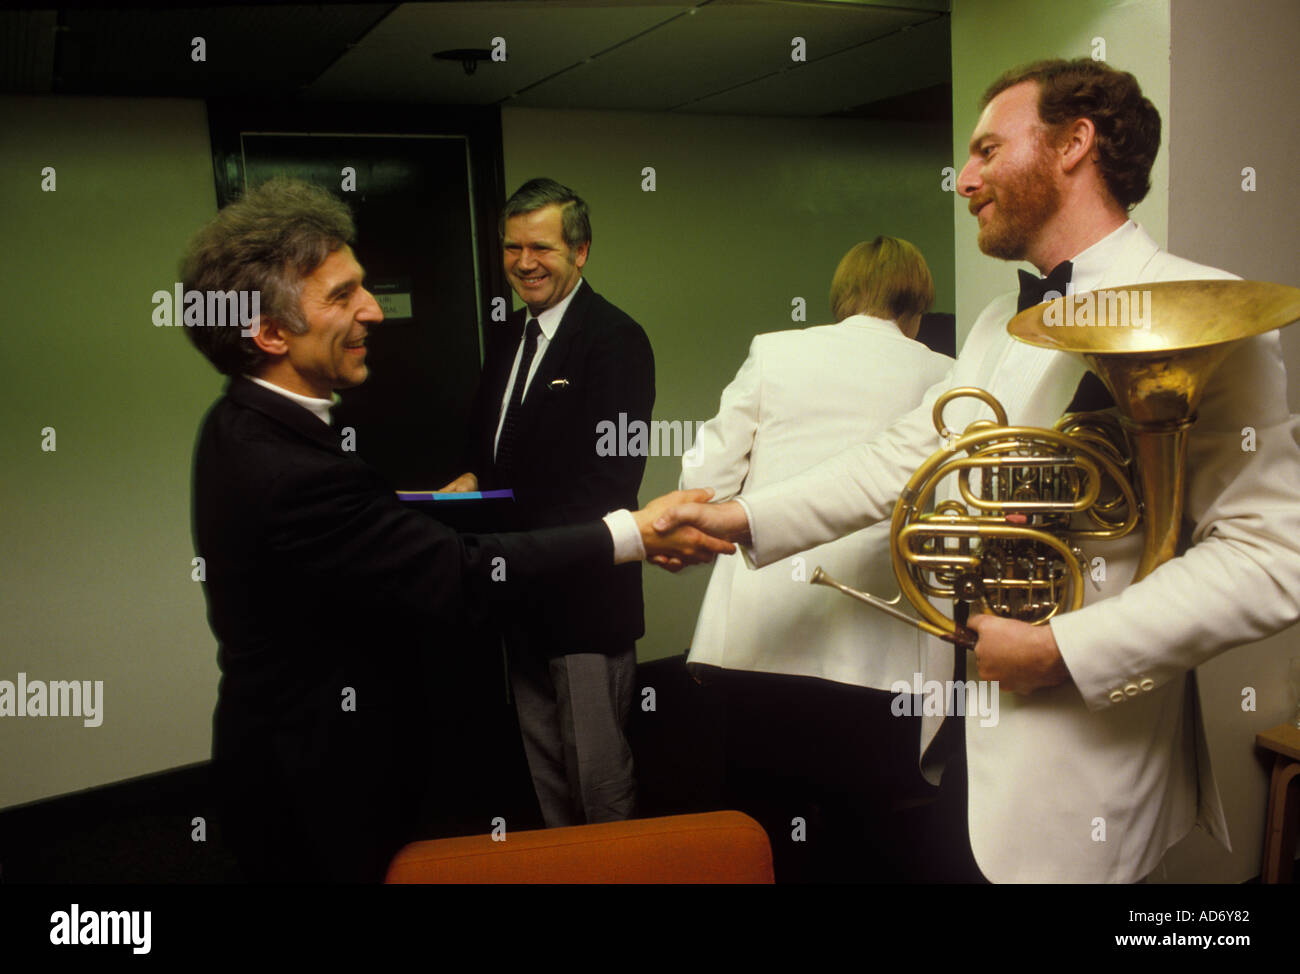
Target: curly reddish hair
{"type": "Point", "coordinates": [1127, 124]}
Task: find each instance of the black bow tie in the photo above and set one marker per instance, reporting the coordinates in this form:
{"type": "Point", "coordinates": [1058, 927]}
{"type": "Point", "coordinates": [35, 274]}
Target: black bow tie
{"type": "Point", "coordinates": [1033, 289]}
{"type": "Point", "coordinates": [1091, 394]}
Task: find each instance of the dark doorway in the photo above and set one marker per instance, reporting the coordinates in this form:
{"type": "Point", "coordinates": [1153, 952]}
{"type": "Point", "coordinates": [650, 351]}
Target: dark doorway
{"type": "Point", "coordinates": [426, 205]}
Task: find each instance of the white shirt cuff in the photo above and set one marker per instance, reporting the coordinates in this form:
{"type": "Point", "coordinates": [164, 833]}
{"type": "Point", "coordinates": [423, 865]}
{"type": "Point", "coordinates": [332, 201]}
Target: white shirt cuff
{"type": "Point", "coordinates": [748, 549]}
{"type": "Point", "coordinates": [626, 536]}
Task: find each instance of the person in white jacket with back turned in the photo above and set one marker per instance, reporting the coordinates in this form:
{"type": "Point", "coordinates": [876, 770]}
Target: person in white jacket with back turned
{"type": "Point", "coordinates": [808, 666]}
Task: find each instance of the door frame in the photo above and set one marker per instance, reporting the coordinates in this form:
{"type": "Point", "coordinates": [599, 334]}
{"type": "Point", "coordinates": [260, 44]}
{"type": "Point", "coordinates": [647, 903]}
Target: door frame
{"type": "Point", "coordinates": [479, 126]}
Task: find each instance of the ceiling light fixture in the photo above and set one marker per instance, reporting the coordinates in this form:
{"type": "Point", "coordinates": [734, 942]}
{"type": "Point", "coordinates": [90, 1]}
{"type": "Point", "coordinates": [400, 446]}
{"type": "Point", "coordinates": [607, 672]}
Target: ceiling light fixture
{"type": "Point", "coordinates": [469, 57]}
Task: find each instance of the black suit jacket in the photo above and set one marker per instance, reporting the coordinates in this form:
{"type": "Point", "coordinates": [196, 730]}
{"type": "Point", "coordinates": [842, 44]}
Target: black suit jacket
{"type": "Point", "coordinates": [598, 366]}
{"type": "Point", "coordinates": [321, 586]}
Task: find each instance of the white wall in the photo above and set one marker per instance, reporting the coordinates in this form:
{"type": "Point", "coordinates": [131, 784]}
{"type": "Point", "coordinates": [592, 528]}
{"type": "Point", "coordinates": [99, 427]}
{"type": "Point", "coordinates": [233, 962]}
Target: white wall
{"type": "Point", "coordinates": [1234, 104]}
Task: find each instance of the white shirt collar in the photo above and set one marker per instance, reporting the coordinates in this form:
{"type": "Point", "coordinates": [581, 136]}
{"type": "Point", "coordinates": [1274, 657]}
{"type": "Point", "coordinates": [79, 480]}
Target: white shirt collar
{"type": "Point", "coordinates": [862, 321]}
{"type": "Point", "coordinates": [549, 320]}
{"type": "Point", "coordinates": [1094, 263]}
{"type": "Point", "coordinates": [320, 408]}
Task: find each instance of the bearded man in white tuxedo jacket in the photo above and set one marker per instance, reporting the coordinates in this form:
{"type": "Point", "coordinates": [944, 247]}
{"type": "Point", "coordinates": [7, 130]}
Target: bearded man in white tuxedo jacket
{"type": "Point", "coordinates": [815, 672]}
{"type": "Point", "coordinates": [1098, 763]}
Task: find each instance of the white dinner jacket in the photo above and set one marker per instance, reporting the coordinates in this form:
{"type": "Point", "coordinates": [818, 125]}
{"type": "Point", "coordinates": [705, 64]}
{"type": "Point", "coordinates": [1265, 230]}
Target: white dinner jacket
{"type": "Point", "coordinates": [800, 397]}
{"type": "Point", "coordinates": [1093, 780]}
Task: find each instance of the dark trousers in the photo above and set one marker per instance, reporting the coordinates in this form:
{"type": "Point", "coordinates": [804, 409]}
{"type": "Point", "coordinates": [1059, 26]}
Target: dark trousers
{"type": "Point", "coordinates": [829, 772]}
{"type": "Point", "coordinates": [573, 713]}
{"type": "Point", "coordinates": [948, 857]}
{"type": "Point", "coordinates": [314, 826]}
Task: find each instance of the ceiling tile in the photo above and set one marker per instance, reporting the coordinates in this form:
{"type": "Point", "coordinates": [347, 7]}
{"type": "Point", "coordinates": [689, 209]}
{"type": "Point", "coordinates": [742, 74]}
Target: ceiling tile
{"type": "Point", "coordinates": [395, 60]}
{"type": "Point", "coordinates": [906, 60]}
{"type": "Point", "coordinates": [725, 45]}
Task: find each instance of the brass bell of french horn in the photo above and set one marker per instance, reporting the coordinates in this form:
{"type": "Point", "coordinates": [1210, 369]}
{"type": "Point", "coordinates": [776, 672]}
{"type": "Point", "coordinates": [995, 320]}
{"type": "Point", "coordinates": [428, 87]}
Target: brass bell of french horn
{"type": "Point", "coordinates": [1011, 545]}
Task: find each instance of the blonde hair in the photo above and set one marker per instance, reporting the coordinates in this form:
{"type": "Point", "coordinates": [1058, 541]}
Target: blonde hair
{"type": "Point", "coordinates": [886, 278]}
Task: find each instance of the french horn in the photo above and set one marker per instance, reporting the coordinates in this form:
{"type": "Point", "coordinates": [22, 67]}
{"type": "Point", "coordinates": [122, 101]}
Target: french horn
{"type": "Point", "coordinates": [1010, 541]}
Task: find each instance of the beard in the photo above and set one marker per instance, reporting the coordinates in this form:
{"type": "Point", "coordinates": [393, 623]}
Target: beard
{"type": "Point", "coordinates": [1022, 206]}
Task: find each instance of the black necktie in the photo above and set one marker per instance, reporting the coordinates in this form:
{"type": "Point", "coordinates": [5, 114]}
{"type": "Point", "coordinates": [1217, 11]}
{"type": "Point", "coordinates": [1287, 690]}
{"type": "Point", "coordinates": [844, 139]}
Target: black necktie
{"type": "Point", "coordinates": [1033, 290]}
{"type": "Point", "coordinates": [510, 426]}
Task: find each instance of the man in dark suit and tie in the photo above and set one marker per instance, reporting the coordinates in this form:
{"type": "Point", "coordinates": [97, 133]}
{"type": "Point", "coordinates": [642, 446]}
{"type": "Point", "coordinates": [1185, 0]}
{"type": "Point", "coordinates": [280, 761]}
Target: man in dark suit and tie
{"type": "Point", "coordinates": [556, 370]}
{"type": "Point", "coordinates": [325, 594]}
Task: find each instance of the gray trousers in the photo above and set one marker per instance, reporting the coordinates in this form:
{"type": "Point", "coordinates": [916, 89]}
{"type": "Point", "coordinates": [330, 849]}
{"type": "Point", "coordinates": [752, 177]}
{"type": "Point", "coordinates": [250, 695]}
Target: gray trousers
{"type": "Point", "coordinates": [573, 713]}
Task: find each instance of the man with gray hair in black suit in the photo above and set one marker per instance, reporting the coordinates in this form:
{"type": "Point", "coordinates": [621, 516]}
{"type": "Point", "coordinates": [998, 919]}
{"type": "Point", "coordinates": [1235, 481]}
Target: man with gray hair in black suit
{"type": "Point", "coordinates": [325, 594]}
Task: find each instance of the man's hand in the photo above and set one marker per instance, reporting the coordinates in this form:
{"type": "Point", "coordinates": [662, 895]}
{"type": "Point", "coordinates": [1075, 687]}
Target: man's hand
{"type": "Point", "coordinates": [726, 520]}
{"type": "Point", "coordinates": [1021, 657]}
{"type": "Point", "coordinates": [461, 485]}
{"type": "Point", "coordinates": [674, 548]}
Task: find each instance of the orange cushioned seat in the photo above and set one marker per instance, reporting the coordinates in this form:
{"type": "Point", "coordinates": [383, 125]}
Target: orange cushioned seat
{"type": "Point", "coordinates": [714, 847]}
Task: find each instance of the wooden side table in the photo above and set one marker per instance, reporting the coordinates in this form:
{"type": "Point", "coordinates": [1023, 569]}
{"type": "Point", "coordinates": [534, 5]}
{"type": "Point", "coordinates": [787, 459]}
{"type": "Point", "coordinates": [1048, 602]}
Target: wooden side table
{"type": "Point", "coordinates": [1283, 815]}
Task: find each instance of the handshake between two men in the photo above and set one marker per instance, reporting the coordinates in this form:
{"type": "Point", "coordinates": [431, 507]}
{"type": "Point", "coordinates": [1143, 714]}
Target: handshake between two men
{"type": "Point", "coordinates": [678, 529]}
{"type": "Point", "coordinates": [685, 526]}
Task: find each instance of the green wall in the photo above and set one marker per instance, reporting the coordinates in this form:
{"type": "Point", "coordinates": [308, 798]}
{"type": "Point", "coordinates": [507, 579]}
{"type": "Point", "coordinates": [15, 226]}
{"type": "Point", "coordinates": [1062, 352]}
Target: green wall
{"type": "Point", "coordinates": [747, 214]}
{"type": "Point", "coordinates": [96, 568]}
{"type": "Point", "coordinates": [95, 583]}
